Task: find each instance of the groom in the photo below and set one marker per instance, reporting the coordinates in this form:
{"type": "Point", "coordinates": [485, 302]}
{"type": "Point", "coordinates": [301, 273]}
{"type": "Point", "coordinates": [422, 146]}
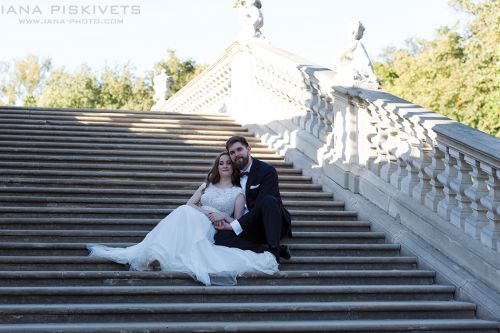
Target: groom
{"type": "Point", "coordinates": [267, 221]}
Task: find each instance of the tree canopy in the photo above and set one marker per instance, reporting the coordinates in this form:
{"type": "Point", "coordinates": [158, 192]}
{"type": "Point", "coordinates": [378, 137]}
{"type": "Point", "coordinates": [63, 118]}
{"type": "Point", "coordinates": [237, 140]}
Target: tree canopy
{"type": "Point", "coordinates": [457, 74]}
{"type": "Point", "coordinates": [34, 82]}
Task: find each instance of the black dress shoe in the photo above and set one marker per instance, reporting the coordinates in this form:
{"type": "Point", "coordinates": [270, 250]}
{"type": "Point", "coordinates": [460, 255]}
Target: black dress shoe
{"type": "Point", "coordinates": [285, 252]}
{"type": "Point", "coordinates": [276, 253]}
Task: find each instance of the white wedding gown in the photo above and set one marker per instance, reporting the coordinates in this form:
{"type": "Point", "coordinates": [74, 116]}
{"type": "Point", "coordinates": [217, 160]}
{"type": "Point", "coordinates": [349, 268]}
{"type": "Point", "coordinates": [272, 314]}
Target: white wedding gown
{"type": "Point", "coordinates": [184, 242]}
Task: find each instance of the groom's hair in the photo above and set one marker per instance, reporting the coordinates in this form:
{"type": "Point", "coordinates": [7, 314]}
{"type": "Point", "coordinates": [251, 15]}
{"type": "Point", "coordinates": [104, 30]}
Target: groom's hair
{"type": "Point", "coordinates": [232, 140]}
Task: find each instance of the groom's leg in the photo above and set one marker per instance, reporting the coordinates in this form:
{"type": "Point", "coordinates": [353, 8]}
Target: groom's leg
{"type": "Point", "coordinates": [266, 221]}
{"type": "Point", "coordinates": [230, 239]}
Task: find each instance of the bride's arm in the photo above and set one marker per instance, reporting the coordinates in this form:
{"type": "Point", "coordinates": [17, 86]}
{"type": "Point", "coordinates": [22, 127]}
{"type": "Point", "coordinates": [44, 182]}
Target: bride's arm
{"type": "Point", "coordinates": [194, 201]}
{"type": "Point", "coordinates": [239, 210]}
{"type": "Point", "coordinates": [239, 206]}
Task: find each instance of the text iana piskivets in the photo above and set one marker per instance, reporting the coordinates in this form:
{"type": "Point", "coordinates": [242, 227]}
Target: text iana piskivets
{"type": "Point", "coordinates": [70, 10]}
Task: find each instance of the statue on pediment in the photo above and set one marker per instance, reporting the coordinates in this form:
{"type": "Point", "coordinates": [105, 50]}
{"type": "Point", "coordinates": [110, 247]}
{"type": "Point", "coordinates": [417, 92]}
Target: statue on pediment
{"type": "Point", "coordinates": [251, 18]}
{"type": "Point", "coordinates": [354, 68]}
{"type": "Point", "coordinates": [162, 83]}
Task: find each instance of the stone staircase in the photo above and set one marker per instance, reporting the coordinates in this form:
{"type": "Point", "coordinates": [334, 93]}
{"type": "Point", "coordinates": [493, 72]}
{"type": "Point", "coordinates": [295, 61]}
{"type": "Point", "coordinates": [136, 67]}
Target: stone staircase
{"type": "Point", "coordinates": [71, 177]}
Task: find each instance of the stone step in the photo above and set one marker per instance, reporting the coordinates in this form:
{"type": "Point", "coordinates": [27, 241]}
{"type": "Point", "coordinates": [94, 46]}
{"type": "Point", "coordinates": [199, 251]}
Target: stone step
{"type": "Point", "coordinates": [63, 166]}
{"type": "Point", "coordinates": [275, 326]}
{"type": "Point", "coordinates": [330, 263]}
{"type": "Point", "coordinates": [10, 173]}
{"type": "Point", "coordinates": [129, 113]}
{"type": "Point", "coordinates": [233, 312]}
{"type": "Point", "coordinates": [7, 152]}
{"type": "Point", "coordinates": [143, 193]}
{"type": "Point", "coordinates": [157, 203]}
{"type": "Point", "coordinates": [117, 113]}
{"type": "Point", "coordinates": [43, 223]}
{"type": "Point", "coordinates": [170, 160]}
{"type": "Point", "coordinates": [160, 147]}
{"type": "Point", "coordinates": [197, 141]}
{"type": "Point", "coordinates": [223, 294]}
{"type": "Point", "coordinates": [58, 128]}
{"type": "Point", "coordinates": [289, 278]}
{"type": "Point", "coordinates": [156, 213]}
{"type": "Point", "coordinates": [136, 125]}
{"type": "Point", "coordinates": [135, 236]}
{"type": "Point", "coordinates": [125, 183]}
{"type": "Point", "coordinates": [78, 263]}
{"type": "Point", "coordinates": [80, 249]}
{"type": "Point", "coordinates": [27, 131]}
{"type": "Point", "coordinates": [113, 118]}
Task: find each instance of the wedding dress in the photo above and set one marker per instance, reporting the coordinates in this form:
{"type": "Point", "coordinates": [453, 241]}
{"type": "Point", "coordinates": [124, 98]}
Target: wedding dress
{"type": "Point", "coordinates": [183, 242]}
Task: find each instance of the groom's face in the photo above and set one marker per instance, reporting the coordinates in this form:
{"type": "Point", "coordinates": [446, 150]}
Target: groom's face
{"type": "Point", "coordinates": [240, 155]}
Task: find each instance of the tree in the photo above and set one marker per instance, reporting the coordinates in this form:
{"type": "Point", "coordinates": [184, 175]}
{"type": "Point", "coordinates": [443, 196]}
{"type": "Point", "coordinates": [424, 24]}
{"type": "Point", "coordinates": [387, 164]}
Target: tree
{"type": "Point", "coordinates": [23, 80]}
{"type": "Point", "coordinates": [63, 89]}
{"type": "Point", "coordinates": [120, 89]}
{"type": "Point", "coordinates": [456, 74]}
{"type": "Point", "coordinates": [111, 89]}
{"type": "Point", "coordinates": [32, 82]}
{"type": "Point", "coordinates": [182, 71]}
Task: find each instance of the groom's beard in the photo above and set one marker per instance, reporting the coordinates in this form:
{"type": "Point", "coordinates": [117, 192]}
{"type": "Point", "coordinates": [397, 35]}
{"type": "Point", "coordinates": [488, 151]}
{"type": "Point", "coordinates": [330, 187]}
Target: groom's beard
{"type": "Point", "coordinates": [241, 162]}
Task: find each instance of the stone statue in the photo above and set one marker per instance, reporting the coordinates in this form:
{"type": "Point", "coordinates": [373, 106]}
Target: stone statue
{"type": "Point", "coordinates": [251, 18]}
{"type": "Point", "coordinates": [354, 67]}
{"type": "Point", "coordinates": [161, 85]}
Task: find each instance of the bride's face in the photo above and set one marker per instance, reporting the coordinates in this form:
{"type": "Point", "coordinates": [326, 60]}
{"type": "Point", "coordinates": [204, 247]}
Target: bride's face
{"type": "Point", "coordinates": [225, 166]}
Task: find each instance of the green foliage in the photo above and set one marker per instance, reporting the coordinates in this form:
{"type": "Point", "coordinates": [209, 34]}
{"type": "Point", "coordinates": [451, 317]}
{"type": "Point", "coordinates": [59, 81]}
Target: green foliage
{"type": "Point", "coordinates": [182, 71]}
{"type": "Point", "coordinates": [456, 74]}
{"type": "Point", "coordinates": [21, 80]}
{"type": "Point", "coordinates": [34, 83]}
{"type": "Point", "coordinates": [64, 89]}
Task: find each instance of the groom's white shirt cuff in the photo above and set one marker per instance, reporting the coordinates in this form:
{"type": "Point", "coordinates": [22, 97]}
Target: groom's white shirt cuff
{"type": "Point", "coordinates": [236, 227]}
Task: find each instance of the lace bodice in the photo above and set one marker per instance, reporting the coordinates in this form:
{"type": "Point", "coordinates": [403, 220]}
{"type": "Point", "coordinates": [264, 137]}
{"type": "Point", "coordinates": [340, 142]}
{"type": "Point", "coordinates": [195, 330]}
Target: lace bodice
{"type": "Point", "coordinates": [222, 199]}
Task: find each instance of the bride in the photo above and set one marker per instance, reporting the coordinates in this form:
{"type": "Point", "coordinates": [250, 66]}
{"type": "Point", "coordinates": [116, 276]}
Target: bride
{"type": "Point", "coordinates": [184, 240]}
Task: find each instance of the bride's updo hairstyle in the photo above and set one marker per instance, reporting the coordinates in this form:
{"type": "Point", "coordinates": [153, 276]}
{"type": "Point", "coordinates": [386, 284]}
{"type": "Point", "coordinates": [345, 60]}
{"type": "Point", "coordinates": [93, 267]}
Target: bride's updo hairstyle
{"type": "Point", "coordinates": [214, 175]}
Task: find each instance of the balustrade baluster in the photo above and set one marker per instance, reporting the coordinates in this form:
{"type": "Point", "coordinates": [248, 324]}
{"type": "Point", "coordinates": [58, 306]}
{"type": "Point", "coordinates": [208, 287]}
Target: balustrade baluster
{"type": "Point", "coordinates": [423, 187]}
{"type": "Point", "coordinates": [449, 202]}
{"type": "Point", "coordinates": [435, 195]}
{"type": "Point", "coordinates": [401, 150]}
{"type": "Point", "coordinates": [390, 147]}
{"type": "Point", "coordinates": [323, 128]}
{"type": "Point", "coordinates": [381, 138]}
{"type": "Point", "coordinates": [477, 220]}
{"type": "Point", "coordinates": [313, 105]}
{"type": "Point", "coordinates": [411, 180]}
{"type": "Point", "coordinates": [490, 234]}
{"type": "Point", "coordinates": [459, 184]}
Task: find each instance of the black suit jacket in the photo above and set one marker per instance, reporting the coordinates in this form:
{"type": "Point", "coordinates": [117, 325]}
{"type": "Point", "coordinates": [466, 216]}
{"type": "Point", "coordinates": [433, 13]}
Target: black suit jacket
{"type": "Point", "coordinates": [262, 181]}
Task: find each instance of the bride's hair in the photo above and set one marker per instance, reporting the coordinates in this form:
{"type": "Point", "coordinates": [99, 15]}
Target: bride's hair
{"type": "Point", "coordinates": [214, 175]}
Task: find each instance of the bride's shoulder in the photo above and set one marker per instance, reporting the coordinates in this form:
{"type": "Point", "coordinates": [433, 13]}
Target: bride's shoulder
{"type": "Point", "coordinates": [203, 186]}
{"type": "Point", "coordinates": [238, 189]}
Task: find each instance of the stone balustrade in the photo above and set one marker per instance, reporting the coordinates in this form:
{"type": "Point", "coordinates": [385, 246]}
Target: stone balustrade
{"type": "Point", "coordinates": [447, 167]}
{"type": "Point", "coordinates": [207, 92]}
{"type": "Point", "coordinates": [443, 166]}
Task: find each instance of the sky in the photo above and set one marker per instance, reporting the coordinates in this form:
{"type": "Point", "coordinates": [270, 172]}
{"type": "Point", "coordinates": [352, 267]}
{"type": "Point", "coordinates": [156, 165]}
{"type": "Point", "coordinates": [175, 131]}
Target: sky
{"type": "Point", "coordinates": [109, 33]}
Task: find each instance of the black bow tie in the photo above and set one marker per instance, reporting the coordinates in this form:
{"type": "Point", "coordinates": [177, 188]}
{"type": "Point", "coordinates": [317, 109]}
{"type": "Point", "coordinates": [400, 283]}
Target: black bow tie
{"type": "Point", "coordinates": [243, 173]}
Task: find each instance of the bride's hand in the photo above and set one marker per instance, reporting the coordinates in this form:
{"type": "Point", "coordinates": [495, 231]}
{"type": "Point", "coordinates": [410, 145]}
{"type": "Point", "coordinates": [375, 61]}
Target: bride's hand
{"type": "Point", "coordinates": [215, 216]}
